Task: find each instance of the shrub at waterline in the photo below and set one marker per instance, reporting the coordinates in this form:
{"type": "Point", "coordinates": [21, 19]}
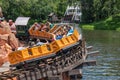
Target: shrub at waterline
{"type": "Point", "coordinates": [111, 23]}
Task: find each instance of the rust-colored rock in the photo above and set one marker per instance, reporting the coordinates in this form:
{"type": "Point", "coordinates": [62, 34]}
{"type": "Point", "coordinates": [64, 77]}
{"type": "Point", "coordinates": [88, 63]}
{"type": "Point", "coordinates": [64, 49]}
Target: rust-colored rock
{"type": "Point", "coordinates": [4, 37]}
{"type": "Point", "coordinates": [2, 42]}
{"type": "Point", "coordinates": [13, 41]}
{"type": "Point", "coordinates": [4, 51]}
{"type": "Point", "coordinates": [4, 28]}
{"type": "Point", "coordinates": [8, 42]}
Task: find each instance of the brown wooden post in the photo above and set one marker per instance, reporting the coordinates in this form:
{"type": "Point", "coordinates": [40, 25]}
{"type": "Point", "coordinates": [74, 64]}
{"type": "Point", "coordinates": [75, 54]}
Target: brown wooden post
{"type": "Point", "coordinates": [43, 79]}
{"type": "Point", "coordinates": [65, 76]}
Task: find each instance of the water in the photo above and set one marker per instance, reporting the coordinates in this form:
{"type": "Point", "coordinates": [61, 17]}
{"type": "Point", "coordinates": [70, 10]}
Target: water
{"type": "Point", "coordinates": [108, 61]}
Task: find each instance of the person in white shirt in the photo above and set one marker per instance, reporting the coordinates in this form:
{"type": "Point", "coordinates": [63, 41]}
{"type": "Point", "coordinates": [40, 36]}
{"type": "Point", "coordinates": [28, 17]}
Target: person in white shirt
{"type": "Point", "coordinates": [12, 26]}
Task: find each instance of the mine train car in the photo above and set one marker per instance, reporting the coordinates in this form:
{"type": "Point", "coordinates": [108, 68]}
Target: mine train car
{"type": "Point", "coordinates": [38, 33]}
{"type": "Point", "coordinates": [22, 27]}
{"type": "Point", "coordinates": [38, 53]}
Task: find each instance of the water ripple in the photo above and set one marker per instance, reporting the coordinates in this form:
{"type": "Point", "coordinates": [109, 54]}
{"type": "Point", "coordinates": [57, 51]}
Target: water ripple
{"type": "Point", "coordinates": [108, 61]}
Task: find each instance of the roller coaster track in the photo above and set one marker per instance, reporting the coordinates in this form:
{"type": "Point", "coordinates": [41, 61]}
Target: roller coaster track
{"type": "Point", "coordinates": [66, 60]}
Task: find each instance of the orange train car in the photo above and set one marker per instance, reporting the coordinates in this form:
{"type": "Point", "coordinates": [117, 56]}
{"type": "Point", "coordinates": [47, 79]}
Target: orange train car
{"type": "Point", "coordinates": [43, 51]}
{"type": "Point", "coordinates": [37, 33]}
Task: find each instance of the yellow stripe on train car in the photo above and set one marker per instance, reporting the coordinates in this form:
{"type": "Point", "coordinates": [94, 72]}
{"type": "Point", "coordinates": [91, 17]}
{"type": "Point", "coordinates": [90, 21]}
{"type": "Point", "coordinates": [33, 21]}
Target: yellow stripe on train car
{"type": "Point", "coordinates": [70, 40]}
{"type": "Point", "coordinates": [64, 41]}
{"type": "Point", "coordinates": [45, 50]}
{"type": "Point", "coordinates": [57, 45]}
{"type": "Point", "coordinates": [19, 56]}
{"type": "Point", "coordinates": [34, 52]}
{"type": "Point", "coordinates": [12, 59]}
{"type": "Point", "coordinates": [76, 34]}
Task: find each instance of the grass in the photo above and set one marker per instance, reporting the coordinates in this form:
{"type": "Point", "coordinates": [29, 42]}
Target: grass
{"type": "Point", "coordinates": [111, 23]}
{"type": "Point", "coordinates": [90, 27]}
{"type": "Point", "coordinates": [118, 29]}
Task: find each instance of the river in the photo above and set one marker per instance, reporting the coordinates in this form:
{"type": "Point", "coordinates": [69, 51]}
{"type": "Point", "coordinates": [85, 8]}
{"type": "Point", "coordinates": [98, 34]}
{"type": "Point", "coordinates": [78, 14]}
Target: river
{"type": "Point", "coordinates": [108, 61]}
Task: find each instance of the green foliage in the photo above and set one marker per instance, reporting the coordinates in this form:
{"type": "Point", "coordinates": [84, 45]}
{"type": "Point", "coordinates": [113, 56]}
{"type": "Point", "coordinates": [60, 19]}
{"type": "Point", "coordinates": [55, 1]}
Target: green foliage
{"type": "Point", "coordinates": [105, 8]}
{"type": "Point", "coordinates": [95, 10]}
{"type": "Point", "coordinates": [87, 11]}
{"type": "Point", "coordinates": [38, 10]}
{"type": "Point", "coordinates": [88, 27]}
{"type": "Point", "coordinates": [118, 29]}
{"type": "Point", "coordinates": [61, 7]}
{"type": "Point", "coordinates": [111, 23]}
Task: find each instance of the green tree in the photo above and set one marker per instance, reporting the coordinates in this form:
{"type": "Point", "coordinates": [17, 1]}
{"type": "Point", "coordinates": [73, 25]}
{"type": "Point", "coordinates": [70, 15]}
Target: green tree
{"type": "Point", "coordinates": [61, 7]}
{"type": "Point", "coordinates": [87, 11]}
{"type": "Point", "coordinates": [92, 10]}
{"type": "Point", "coordinates": [105, 8]}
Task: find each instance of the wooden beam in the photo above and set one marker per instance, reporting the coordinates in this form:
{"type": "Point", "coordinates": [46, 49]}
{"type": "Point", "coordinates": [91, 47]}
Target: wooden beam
{"type": "Point", "coordinates": [93, 53]}
{"type": "Point", "coordinates": [75, 72]}
{"type": "Point", "coordinates": [89, 48]}
{"type": "Point", "coordinates": [89, 63]}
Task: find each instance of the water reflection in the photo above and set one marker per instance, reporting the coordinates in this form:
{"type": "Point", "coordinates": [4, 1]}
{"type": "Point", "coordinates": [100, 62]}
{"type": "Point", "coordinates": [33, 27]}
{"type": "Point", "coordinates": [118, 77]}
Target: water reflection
{"type": "Point", "coordinates": [108, 61]}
